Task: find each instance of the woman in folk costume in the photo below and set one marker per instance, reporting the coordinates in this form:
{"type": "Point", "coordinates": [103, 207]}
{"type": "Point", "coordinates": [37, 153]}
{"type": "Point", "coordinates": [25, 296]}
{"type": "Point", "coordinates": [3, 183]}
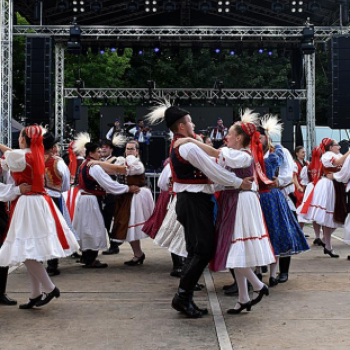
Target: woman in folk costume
{"type": "Point", "coordinates": [88, 221]}
{"type": "Point", "coordinates": [286, 236]}
{"type": "Point", "coordinates": [37, 231]}
{"type": "Point", "coordinates": [326, 205]}
{"type": "Point", "coordinates": [242, 239]}
{"type": "Point", "coordinates": [154, 223]}
{"type": "Point", "coordinates": [132, 210]}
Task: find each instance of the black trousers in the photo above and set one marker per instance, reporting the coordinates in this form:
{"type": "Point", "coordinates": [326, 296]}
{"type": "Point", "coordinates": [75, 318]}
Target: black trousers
{"type": "Point", "coordinates": [195, 212]}
{"type": "Point", "coordinates": [89, 256]}
{"type": "Point", "coordinates": [108, 210]}
{"type": "Point", "coordinates": [3, 227]}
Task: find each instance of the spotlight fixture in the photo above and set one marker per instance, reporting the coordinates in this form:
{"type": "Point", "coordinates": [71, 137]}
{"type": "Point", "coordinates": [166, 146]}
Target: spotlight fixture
{"type": "Point", "coordinates": [261, 51]}
{"type": "Point", "coordinates": [78, 6]}
{"type": "Point", "coordinates": [62, 5]}
{"type": "Point", "coordinates": [169, 6]}
{"type": "Point", "coordinates": [132, 6]}
{"type": "Point", "coordinates": [277, 7]}
{"type": "Point", "coordinates": [307, 42]}
{"type": "Point", "coordinates": [151, 5]}
{"type": "Point", "coordinates": [96, 6]}
{"type": "Point", "coordinates": [232, 52]}
{"type": "Point", "coordinates": [297, 6]}
{"type": "Point", "coordinates": [224, 6]}
{"type": "Point", "coordinates": [314, 6]}
{"type": "Point", "coordinates": [242, 7]}
{"type": "Point", "coordinates": [74, 44]}
{"type": "Point", "coordinates": [204, 6]}
{"type": "Point", "coordinates": [113, 49]}
{"type": "Point", "coordinates": [270, 53]}
{"type": "Point", "coordinates": [217, 51]}
{"type": "Point", "coordinates": [102, 52]}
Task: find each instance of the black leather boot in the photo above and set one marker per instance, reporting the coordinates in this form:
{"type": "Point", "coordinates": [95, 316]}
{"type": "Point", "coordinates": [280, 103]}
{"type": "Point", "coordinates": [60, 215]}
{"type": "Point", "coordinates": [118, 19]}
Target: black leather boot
{"type": "Point", "coordinates": [52, 267]}
{"type": "Point", "coordinates": [177, 265]}
{"type": "Point", "coordinates": [284, 264]}
{"type": "Point", "coordinates": [113, 249]}
{"type": "Point", "coordinates": [4, 299]}
{"type": "Point", "coordinates": [183, 302]}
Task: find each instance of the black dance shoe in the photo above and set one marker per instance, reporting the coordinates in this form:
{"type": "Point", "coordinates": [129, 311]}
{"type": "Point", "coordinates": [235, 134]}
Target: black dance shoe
{"type": "Point", "coordinates": [273, 281]}
{"type": "Point", "coordinates": [282, 277]}
{"type": "Point", "coordinates": [139, 260]}
{"type": "Point", "coordinates": [319, 242]}
{"type": "Point", "coordinates": [31, 303]}
{"type": "Point", "coordinates": [263, 291]}
{"type": "Point", "coordinates": [229, 286]}
{"type": "Point", "coordinates": [6, 300]}
{"type": "Point", "coordinates": [330, 253]}
{"type": "Point", "coordinates": [176, 272]}
{"type": "Point", "coordinates": [186, 306]}
{"type": "Point", "coordinates": [75, 255]}
{"type": "Point", "coordinates": [96, 265]}
{"type": "Point", "coordinates": [199, 287]}
{"type": "Point", "coordinates": [48, 297]}
{"type": "Point", "coordinates": [246, 306]}
{"type": "Point", "coordinates": [112, 250]}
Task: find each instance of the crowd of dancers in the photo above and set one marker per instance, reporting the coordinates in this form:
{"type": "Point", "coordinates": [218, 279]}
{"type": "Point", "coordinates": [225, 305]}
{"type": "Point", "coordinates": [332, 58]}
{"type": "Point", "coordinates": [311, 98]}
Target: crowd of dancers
{"type": "Point", "coordinates": [241, 206]}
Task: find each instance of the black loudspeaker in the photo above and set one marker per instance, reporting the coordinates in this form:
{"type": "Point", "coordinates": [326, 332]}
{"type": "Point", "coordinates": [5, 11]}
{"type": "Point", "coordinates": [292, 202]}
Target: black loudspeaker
{"type": "Point", "coordinates": [293, 110]}
{"type": "Point", "coordinates": [73, 109]}
{"type": "Point", "coordinates": [339, 101]}
{"type": "Point", "coordinates": [39, 81]}
{"type": "Point", "coordinates": [82, 124]}
{"type": "Point", "coordinates": [287, 134]}
{"type": "Point", "coordinates": [158, 151]}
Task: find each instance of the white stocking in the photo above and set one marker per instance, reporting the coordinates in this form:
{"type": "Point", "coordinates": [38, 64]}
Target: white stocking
{"type": "Point", "coordinates": [273, 268]}
{"type": "Point", "coordinates": [38, 271]}
{"type": "Point", "coordinates": [243, 295]}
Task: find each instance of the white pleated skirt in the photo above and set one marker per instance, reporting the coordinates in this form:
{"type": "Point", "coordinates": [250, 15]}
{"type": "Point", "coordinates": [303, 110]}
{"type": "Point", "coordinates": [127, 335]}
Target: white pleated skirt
{"type": "Point", "coordinates": [32, 234]}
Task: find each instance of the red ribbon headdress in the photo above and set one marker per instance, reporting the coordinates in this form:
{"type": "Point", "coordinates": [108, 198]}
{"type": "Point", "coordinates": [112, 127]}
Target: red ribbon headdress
{"type": "Point", "coordinates": [35, 133]}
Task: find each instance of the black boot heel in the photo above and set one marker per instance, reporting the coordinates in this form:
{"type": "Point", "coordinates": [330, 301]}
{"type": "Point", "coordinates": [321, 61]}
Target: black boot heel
{"type": "Point", "coordinates": [31, 303]}
{"type": "Point", "coordinates": [246, 306]}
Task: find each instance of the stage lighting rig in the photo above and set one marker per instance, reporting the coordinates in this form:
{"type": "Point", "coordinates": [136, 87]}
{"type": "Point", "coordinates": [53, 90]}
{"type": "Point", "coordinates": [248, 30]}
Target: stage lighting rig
{"type": "Point", "coordinates": [96, 6]}
{"type": "Point", "coordinates": [132, 6]}
{"type": "Point", "coordinates": [151, 6]}
{"type": "Point", "coordinates": [307, 42]}
{"type": "Point", "coordinates": [78, 6]}
{"type": "Point", "coordinates": [297, 6]}
{"type": "Point", "coordinates": [224, 6]}
{"type": "Point", "coordinates": [74, 43]}
{"type": "Point", "coordinates": [169, 6]}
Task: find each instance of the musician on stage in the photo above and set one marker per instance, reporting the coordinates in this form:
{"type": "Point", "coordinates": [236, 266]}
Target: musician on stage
{"type": "Point", "coordinates": [218, 133]}
{"type": "Point", "coordinates": [115, 130]}
{"type": "Point", "coordinates": [142, 134]}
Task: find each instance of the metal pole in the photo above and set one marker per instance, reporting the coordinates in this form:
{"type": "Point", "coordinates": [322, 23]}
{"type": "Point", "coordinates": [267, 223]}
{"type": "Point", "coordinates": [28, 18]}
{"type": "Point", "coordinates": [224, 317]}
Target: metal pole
{"type": "Point", "coordinates": [310, 104]}
{"type": "Point", "coordinates": [6, 26]}
{"type": "Point", "coordinates": [59, 91]}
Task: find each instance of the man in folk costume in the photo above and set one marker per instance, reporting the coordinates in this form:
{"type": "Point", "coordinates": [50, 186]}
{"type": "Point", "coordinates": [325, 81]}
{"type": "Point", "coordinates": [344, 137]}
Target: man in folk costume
{"type": "Point", "coordinates": [218, 133]}
{"type": "Point", "coordinates": [286, 236]}
{"type": "Point", "coordinates": [193, 172]}
{"type": "Point", "coordinates": [76, 158]}
{"type": "Point", "coordinates": [8, 193]}
{"type": "Point", "coordinates": [107, 148]}
{"type": "Point", "coordinates": [94, 183]}
{"type": "Point", "coordinates": [57, 180]}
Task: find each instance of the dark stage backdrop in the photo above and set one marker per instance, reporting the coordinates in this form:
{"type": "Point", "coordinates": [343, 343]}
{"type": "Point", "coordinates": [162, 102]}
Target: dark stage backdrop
{"type": "Point", "coordinates": [82, 124]}
{"type": "Point", "coordinates": [108, 115]}
{"type": "Point", "coordinates": [203, 117]}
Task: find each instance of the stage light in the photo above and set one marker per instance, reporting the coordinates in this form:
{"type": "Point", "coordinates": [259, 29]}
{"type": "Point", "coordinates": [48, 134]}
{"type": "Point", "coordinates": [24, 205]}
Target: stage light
{"type": "Point", "coordinates": [232, 53]}
{"type": "Point", "coordinates": [132, 6]}
{"type": "Point", "coordinates": [314, 6]}
{"type": "Point", "coordinates": [242, 7]}
{"type": "Point", "coordinates": [113, 49]}
{"type": "Point", "coordinates": [224, 6]}
{"type": "Point", "coordinates": [140, 52]}
{"type": "Point", "coordinates": [297, 6]}
{"type": "Point", "coordinates": [74, 44]}
{"type": "Point", "coordinates": [270, 53]}
{"type": "Point", "coordinates": [307, 42]}
{"type": "Point", "coordinates": [78, 6]}
{"type": "Point", "coordinates": [277, 7]}
{"type": "Point", "coordinates": [169, 6]}
{"type": "Point", "coordinates": [102, 52]}
{"type": "Point", "coordinates": [151, 5]}
{"type": "Point", "coordinates": [261, 51]}
{"type": "Point", "coordinates": [156, 49]}
{"type": "Point", "coordinates": [204, 6]}
{"type": "Point", "coordinates": [96, 6]}
{"type": "Point", "coordinates": [62, 5]}
{"type": "Point", "coordinates": [217, 51]}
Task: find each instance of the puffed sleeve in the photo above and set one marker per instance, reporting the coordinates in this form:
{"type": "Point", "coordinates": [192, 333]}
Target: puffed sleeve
{"type": "Point", "coordinates": [16, 160]}
{"type": "Point", "coordinates": [328, 158]}
{"type": "Point", "coordinates": [234, 158]}
{"type": "Point", "coordinates": [134, 166]}
{"type": "Point", "coordinates": [304, 178]}
{"type": "Point", "coordinates": [344, 174]}
{"type": "Point", "coordinates": [163, 181]}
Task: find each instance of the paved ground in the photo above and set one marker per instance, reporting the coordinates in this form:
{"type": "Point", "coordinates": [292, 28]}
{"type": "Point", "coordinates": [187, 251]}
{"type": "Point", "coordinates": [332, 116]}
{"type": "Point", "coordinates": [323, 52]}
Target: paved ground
{"type": "Point", "coordinates": [128, 308]}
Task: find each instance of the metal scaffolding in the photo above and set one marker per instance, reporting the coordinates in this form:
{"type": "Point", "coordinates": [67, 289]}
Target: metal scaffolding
{"type": "Point", "coordinates": [59, 91]}
{"type": "Point", "coordinates": [6, 13]}
{"type": "Point", "coordinates": [186, 94]}
{"type": "Point", "coordinates": [139, 33]}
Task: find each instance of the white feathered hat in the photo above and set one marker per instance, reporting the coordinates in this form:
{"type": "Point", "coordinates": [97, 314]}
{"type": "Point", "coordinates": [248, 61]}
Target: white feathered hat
{"type": "Point", "coordinates": [164, 110]}
{"type": "Point", "coordinates": [80, 141]}
{"type": "Point", "coordinates": [272, 125]}
{"type": "Point", "coordinates": [119, 141]}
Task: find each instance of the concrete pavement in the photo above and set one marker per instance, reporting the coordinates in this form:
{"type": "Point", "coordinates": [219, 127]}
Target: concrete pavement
{"type": "Point", "coordinates": [128, 308]}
